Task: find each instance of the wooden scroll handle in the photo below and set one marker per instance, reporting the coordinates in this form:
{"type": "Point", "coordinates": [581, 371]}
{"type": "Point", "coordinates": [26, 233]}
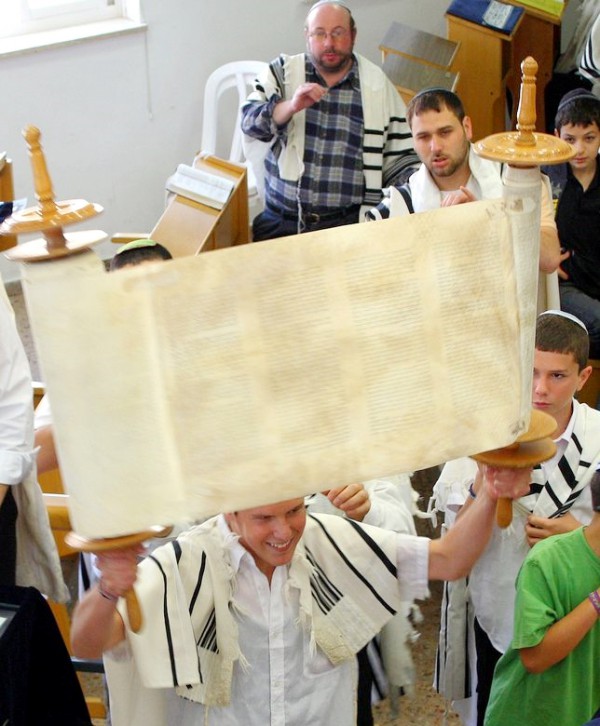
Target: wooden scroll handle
{"type": "Point", "coordinates": [531, 448]}
{"type": "Point", "coordinates": [133, 611]}
{"type": "Point", "coordinates": [504, 512]}
{"type": "Point", "coordinates": [83, 544]}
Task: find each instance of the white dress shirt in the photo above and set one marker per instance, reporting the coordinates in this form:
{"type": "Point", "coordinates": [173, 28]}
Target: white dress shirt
{"type": "Point", "coordinates": [298, 681]}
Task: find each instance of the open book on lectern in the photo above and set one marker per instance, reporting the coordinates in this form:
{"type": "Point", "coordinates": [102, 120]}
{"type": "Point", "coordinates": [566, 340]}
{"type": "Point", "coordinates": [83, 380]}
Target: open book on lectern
{"type": "Point", "coordinates": [200, 186]}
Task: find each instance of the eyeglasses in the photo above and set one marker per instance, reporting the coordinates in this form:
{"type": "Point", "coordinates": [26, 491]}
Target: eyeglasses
{"type": "Point", "coordinates": [321, 35]}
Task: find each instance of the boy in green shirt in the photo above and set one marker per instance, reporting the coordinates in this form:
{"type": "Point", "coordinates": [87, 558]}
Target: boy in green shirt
{"type": "Point", "coordinates": [550, 675]}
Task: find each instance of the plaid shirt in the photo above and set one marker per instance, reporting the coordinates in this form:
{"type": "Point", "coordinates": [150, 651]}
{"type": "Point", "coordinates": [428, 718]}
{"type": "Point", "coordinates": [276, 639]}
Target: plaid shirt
{"type": "Point", "coordinates": [333, 163]}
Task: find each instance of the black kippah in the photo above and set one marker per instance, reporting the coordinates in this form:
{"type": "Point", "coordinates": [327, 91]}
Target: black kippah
{"type": "Point", "coordinates": [434, 89]}
{"type": "Point", "coordinates": [575, 95]}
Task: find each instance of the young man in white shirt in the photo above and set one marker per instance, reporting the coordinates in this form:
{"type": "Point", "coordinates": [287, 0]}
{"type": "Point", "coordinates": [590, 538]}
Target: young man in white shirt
{"type": "Point", "coordinates": [255, 616]}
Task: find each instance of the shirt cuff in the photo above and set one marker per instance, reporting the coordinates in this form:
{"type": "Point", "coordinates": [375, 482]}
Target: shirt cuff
{"type": "Point", "coordinates": [14, 466]}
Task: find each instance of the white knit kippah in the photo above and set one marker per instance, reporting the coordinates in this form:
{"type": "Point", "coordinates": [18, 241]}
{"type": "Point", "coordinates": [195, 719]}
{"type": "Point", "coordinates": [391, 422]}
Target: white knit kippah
{"type": "Point", "coordinates": [563, 314]}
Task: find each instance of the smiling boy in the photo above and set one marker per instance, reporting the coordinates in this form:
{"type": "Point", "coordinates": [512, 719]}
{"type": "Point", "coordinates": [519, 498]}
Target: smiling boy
{"type": "Point", "coordinates": [255, 616]}
{"type": "Point", "coordinates": [576, 187]}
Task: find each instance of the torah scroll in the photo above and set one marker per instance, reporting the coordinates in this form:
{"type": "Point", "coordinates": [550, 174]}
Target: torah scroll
{"type": "Point", "coordinates": [268, 371]}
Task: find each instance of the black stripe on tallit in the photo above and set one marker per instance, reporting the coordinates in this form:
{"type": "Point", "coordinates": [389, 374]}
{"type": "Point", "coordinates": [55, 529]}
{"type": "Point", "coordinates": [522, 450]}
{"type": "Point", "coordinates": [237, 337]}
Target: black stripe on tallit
{"type": "Point", "coordinates": [208, 636]}
{"type": "Point", "coordinates": [199, 582]}
{"type": "Point", "coordinates": [467, 676]}
{"type": "Point", "coordinates": [534, 487]}
{"type": "Point", "coordinates": [442, 648]}
{"type": "Point", "coordinates": [567, 472]}
{"type": "Point", "coordinates": [335, 593]}
{"type": "Point", "coordinates": [324, 602]}
{"type": "Point", "coordinates": [376, 550]}
{"type": "Point", "coordinates": [177, 550]}
{"type": "Point", "coordinates": [552, 495]}
{"type": "Point", "coordinates": [324, 592]}
{"type": "Point", "coordinates": [167, 622]}
{"type": "Point", "coordinates": [567, 505]}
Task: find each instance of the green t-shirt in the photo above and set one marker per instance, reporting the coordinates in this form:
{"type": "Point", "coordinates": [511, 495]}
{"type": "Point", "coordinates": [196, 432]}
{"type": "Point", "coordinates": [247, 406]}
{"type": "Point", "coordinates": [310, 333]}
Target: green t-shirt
{"type": "Point", "coordinates": [557, 575]}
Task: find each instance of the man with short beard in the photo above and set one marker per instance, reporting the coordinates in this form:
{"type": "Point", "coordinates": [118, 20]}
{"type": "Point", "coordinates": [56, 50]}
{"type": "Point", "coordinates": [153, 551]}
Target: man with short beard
{"type": "Point", "coordinates": [333, 128]}
{"type": "Point", "coordinates": [451, 172]}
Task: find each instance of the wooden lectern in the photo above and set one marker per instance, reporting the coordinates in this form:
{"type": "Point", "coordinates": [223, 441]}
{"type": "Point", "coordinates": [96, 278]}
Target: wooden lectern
{"type": "Point", "coordinates": [486, 61]}
{"type": "Point", "coordinates": [187, 227]}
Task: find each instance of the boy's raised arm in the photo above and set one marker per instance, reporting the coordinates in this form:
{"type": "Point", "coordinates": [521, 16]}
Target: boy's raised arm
{"type": "Point", "coordinates": [453, 555]}
{"type": "Point", "coordinates": [96, 624]}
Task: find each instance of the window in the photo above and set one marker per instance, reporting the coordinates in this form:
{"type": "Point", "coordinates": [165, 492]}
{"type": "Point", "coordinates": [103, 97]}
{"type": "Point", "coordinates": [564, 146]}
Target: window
{"type": "Point", "coordinates": [34, 23]}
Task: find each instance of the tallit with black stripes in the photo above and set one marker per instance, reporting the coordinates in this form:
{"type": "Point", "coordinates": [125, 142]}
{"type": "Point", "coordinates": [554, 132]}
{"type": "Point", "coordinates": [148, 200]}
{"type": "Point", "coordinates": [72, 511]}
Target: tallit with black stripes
{"type": "Point", "coordinates": [345, 574]}
{"type": "Point", "coordinates": [575, 468]}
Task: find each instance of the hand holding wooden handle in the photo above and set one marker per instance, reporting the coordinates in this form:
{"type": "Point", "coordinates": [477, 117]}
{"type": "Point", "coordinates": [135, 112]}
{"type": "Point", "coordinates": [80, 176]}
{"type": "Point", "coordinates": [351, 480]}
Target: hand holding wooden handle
{"type": "Point", "coordinates": [504, 512]}
{"type": "Point", "coordinates": [531, 448]}
{"type": "Point", "coordinates": [83, 544]}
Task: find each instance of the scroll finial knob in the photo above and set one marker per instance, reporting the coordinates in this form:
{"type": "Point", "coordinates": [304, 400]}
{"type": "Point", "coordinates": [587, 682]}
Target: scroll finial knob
{"type": "Point", "coordinates": [48, 217]}
{"type": "Point", "coordinates": [524, 147]}
{"type": "Point", "coordinates": [526, 115]}
{"type": "Point", "coordinates": [44, 192]}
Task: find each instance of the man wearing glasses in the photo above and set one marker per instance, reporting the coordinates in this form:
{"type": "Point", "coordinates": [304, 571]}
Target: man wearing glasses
{"type": "Point", "coordinates": [333, 129]}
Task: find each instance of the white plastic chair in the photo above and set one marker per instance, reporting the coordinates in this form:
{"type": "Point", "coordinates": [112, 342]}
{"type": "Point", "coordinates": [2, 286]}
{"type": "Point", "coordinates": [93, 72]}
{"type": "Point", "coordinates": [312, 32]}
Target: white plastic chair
{"type": "Point", "coordinates": [238, 75]}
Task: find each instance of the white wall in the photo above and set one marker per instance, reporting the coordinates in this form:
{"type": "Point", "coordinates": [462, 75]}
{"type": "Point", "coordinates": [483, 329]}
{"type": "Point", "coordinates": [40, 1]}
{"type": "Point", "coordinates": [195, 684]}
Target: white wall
{"type": "Point", "coordinates": [118, 114]}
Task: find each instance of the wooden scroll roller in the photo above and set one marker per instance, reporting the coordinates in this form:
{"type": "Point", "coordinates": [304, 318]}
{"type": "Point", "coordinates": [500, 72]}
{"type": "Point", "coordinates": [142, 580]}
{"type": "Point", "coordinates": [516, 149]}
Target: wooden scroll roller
{"type": "Point", "coordinates": [49, 217]}
{"type": "Point", "coordinates": [524, 148]}
{"type": "Point", "coordinates": [83, 544]}
{"type": "Point", "coordinates": [530, 448]}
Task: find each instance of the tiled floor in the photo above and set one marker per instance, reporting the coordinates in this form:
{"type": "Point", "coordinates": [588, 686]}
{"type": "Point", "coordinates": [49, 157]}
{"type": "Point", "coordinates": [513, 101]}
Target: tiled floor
{"type": "Point", "coordinates": [425, 707]}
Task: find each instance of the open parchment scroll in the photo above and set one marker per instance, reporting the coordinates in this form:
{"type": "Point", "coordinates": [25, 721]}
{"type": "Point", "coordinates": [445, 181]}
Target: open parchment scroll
{"type": "Point", "coordinates": [267, 371]}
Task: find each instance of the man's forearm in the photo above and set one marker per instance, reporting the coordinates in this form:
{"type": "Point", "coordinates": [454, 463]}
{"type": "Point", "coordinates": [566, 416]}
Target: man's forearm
{"type": "Point", "coordinates": [96, 625]}
{"type": "Point", "coordinates": [283, 112]}
{"type": "Point", "coordinates": [257, 120]}
{"type": "Point", "coordinates": [549, 250]}
{"type": "Point", "coordinates": [453, 555]}
{"type": "Point", "coordinates": [46, 459]}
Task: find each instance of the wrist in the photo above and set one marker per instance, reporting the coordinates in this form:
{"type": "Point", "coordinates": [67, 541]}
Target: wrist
{"type": "Point", "coordinates": [106, 594]}
{"type": "Point", "coordinates": [594, 598]}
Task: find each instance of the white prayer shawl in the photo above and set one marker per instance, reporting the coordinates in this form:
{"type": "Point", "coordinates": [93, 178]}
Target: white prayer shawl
{"type": "Point", "coordinates": [348, 589]}
{"type": "Point", "coordinates": [393, 506]}
{"type": "Point", "coordinates": [38, 563]}
{"type": "Point", "coordinates": [589, 65]}
{"type": "Point", "coordinates": [380, 101]}
{"type": "Point", "coordinates": [492, 581]}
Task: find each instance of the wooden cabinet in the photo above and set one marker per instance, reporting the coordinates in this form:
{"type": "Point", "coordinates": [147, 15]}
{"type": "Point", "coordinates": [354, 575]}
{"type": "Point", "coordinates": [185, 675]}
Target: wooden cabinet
{"type": "Point", "coordinates": [489, 61]}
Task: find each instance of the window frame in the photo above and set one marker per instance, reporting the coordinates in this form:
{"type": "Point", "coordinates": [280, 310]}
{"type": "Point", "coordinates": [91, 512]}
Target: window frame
{"type": "Point", "coordinates": [34, 26]}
